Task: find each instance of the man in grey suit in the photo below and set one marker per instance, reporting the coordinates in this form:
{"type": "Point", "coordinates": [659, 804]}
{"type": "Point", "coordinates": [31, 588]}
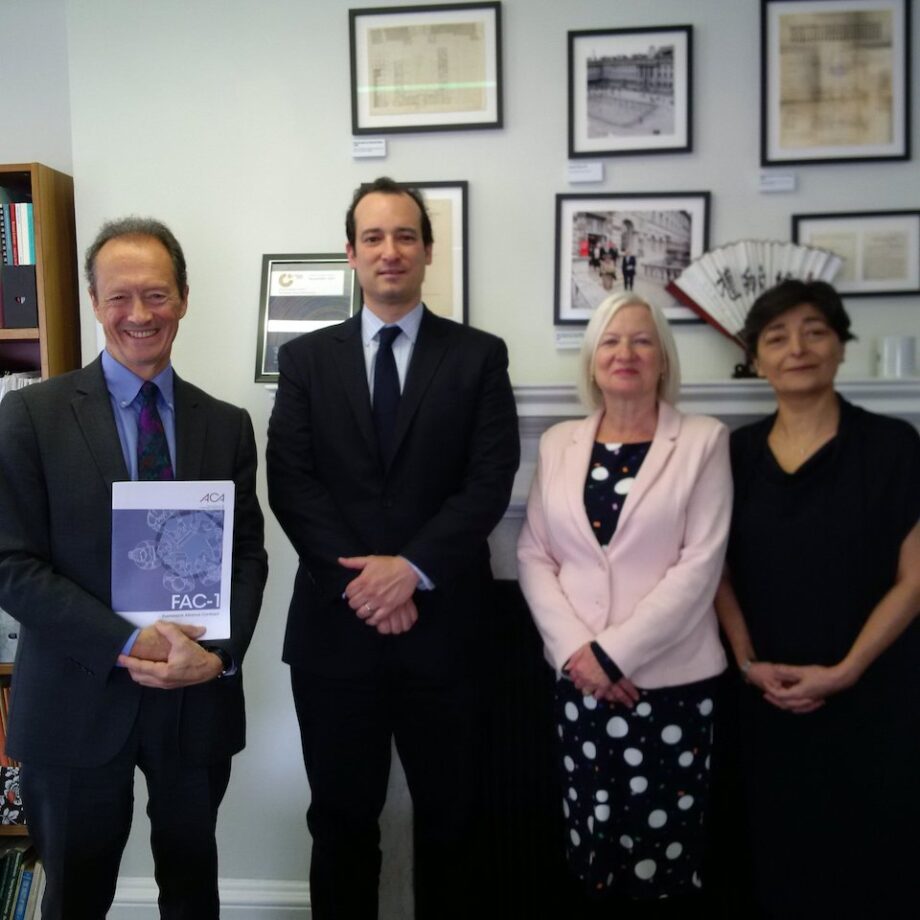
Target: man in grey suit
{"type": "Point", "coordinates": [393, 445]}
{"type": "Point", "coordinates": [94, 696]}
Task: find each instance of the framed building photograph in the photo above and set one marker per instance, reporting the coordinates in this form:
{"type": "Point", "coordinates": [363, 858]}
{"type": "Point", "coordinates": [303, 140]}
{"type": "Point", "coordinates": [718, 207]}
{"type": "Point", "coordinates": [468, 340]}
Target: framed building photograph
{"type": "Point", "coordinates": [300, 293]}
{"type": "Point", "coordinates": [880, 249]}
{"type": "Point", "coordinates": [607, 244]}
{"type": "Point", "coordinates": [835, 81]}
{"type": "Point", "coordinates": [630, 91]}
{"type": "Point", "coordinates": [425, 68]}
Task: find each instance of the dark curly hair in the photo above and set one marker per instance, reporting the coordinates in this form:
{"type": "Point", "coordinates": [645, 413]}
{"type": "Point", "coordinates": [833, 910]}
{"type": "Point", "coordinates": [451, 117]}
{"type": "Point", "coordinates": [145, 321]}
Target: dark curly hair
{"type": "Point", "coordinates": [786, 296]}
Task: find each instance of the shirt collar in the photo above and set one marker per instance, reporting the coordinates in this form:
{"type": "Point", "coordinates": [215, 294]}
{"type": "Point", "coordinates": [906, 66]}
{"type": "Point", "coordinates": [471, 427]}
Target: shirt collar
{"type": "Point", "coordinates": [124, 385]}
{"type": "Point", "coordinates": [371, 324]}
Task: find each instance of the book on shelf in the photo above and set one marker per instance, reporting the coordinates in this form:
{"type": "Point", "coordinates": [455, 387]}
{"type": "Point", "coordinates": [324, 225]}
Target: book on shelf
{"type": "Point", "coordinates": [36, 890]}
{"type": "Point", "coordinates": [17, 225]}
{"type": "Point", "coordinates": [13, 853]}
{"type": "Point", "coordinates": [4, 763]}
{"type": "Point", "coordinates": [5, 250]}
{"type": "Point", "coordinates": [23, 889]}
{"type": "Point", "coordinates": [18, 233]}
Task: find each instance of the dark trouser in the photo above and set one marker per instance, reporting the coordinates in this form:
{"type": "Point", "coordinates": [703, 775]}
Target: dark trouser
{"type": "Point", "coordinates": [80, 817]}
{"type": "Point", "coordinates": [346, 728]}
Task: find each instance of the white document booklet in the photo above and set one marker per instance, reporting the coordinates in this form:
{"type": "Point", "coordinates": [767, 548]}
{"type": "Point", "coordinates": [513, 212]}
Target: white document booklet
{"type": "Point", "coordinates": [172, 553]}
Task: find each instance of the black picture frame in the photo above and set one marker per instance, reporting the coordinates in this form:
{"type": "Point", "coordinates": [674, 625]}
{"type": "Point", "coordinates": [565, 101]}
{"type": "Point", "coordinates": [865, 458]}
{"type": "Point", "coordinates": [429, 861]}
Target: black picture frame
{"type": "Point", "coordinates": [880, 249]}
{"type": "Point", "coordinates": [321, 291]}
{"type": "Point", "coordinates": [835, 81]}
{"type": "Point", "coordinates": [630, 91]}
{"type": "Point", "coordinates": [451, 50]}
{"type": "Point", "coordinates": [664, 230]}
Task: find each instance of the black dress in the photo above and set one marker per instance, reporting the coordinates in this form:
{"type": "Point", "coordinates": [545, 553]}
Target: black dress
{"type": "Point", "coordinates": [832, 796]}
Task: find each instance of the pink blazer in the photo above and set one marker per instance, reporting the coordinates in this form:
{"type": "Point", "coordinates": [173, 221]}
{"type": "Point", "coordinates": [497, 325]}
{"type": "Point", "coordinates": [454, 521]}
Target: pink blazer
{"type": "Point", "coordinates": [647, 596]}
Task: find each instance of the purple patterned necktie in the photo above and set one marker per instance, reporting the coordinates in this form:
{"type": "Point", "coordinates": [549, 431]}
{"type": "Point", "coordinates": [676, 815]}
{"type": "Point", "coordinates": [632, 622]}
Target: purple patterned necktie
{"type": "Point", "coordinates": [152, 450]}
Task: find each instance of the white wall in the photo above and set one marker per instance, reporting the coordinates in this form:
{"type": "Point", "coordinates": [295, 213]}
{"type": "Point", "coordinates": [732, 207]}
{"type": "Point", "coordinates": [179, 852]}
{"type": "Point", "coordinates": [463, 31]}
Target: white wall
{"type": "Point", "coordinates": [34, 103]}
{"type": "Point", "coordinates": [231, 122]}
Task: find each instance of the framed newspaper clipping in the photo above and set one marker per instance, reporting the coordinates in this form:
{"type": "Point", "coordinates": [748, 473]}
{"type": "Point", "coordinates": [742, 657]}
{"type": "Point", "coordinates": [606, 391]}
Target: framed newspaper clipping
{"type": "Point", "coordinates": [835, 81]}
{"type": "Point", "coordinates": [425, 68]}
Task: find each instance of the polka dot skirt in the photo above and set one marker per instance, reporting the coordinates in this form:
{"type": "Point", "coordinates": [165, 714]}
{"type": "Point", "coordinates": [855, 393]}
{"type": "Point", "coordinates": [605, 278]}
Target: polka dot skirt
{"type": "Point", "coordinates": [635, 788]}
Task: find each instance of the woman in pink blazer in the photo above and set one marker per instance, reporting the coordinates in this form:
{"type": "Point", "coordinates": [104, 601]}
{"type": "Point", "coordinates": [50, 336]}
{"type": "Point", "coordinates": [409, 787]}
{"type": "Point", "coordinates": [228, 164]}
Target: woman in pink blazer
{"type": "Point", "coordinates": [619, 560]}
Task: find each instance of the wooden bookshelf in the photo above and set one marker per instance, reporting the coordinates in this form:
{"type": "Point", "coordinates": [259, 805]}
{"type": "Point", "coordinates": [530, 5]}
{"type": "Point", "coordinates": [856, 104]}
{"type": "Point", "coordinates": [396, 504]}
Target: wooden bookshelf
{"type": "Point", "coordinates": [54, 346]}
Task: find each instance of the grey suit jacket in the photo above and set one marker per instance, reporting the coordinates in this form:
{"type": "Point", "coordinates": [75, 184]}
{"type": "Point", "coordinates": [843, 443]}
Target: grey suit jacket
{"type": "Point", "coordinates": [59, 454]}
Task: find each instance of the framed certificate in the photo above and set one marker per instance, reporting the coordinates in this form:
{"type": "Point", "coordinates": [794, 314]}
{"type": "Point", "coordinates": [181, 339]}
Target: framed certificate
{"type": "Point", "coordinates": [300, 293]}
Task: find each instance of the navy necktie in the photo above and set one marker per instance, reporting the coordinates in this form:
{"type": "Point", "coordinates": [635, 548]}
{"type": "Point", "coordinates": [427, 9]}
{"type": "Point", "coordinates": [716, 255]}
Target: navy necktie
{"type": "Point", "coordinates": [386, 389]}
{"type": "Point", "coordinates": [152, 450]}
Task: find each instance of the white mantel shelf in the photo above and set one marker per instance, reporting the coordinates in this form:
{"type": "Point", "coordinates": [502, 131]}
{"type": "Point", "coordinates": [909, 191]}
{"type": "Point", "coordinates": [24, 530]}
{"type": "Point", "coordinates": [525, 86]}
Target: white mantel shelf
{"type": "Point", "coordinates": [731, 400]}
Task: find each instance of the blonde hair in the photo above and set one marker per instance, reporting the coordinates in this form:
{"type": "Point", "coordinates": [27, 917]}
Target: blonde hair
{"type": "Point", "coordinates": [668, 385]}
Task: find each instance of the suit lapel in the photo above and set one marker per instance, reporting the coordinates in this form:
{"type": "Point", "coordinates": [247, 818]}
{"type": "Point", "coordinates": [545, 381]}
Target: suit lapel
{"type": "Point", "coordinates": [348, 357]}
{"type": "Point", "coordinates": [656, 459]}
{"type": "Point", "coordinates": [93, 412]}
{"type": "Point", "coordinates": [191, 431]}
{"type": "Point", "coordinates": [576, 460]}
{"type": "Point", "coordinates": [430, 347]}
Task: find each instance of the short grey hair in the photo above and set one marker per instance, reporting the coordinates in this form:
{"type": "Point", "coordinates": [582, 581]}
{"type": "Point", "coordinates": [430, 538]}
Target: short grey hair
{"type": "Point", "coordinates": [136, 226]}
{"type": "Point", "coordinates": [668, 386]}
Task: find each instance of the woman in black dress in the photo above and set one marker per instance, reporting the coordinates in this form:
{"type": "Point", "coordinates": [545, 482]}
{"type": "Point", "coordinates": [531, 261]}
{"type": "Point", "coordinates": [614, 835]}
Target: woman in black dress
{"type": "Point", "coordinates": [821, 592]}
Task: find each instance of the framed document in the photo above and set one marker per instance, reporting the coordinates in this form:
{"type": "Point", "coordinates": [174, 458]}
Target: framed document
{"type": "Point", "coordinates": [445, 289]}
{"type": "Point", "coordinates": [880, 249]}
{"type": "Point", "coordinates": [300, 293]}
{"type": "Point", "coordinates": [630, 91]}
{"type": "Point", "coordinates": [641, 241]}
{"type": "Point", "coordinates": [835, 80]}
{"type": "Point", "coordinates": [425, 68]}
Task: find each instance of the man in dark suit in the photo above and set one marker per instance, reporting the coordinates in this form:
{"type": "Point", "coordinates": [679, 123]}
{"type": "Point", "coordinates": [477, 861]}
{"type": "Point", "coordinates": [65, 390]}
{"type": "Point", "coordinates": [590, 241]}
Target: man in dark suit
{"type": "Point", "coordinates": [392, 450]}
{"type": "Point", "coordinates": [93, 695]}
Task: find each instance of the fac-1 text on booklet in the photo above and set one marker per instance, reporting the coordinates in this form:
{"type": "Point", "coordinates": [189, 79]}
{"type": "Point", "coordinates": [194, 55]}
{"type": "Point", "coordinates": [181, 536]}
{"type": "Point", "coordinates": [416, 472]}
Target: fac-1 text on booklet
{"type": "Point", "coordinates": [172, 553]}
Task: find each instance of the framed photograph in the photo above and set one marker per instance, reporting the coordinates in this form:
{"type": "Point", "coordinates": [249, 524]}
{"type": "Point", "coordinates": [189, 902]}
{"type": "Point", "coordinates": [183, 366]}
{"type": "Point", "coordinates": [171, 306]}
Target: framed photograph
{"type": "Point", "coordinates": [300, 293]}
{"type": "Point", "coordinates": [425, 68]}
{"type": "Point", "coordinates": [607, 244]}
{"type": "Point", "coordinates": [880, 249]}
{"type": "Point", "coordinates": [630, 91]}
{"type": "Point", "coordinates": [445, 288]}
{"type": "Point", "coordinates": [835, 81]}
